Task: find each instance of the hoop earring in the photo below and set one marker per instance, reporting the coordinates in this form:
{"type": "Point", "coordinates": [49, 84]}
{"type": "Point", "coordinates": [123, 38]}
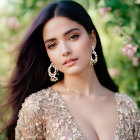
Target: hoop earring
{"type": "Point", "coordinates": [52, 76]}
{"type": "Point", "coordinates": [93, 61]}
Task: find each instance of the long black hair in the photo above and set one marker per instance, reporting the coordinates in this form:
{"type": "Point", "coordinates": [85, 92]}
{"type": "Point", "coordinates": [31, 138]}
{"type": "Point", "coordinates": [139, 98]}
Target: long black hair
{"type": "Point", "coordinates": [31, 71]}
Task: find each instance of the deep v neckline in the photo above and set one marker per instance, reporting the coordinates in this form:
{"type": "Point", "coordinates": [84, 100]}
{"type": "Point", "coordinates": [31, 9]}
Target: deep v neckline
{"type": "Point", "coordinates": [74, 120]}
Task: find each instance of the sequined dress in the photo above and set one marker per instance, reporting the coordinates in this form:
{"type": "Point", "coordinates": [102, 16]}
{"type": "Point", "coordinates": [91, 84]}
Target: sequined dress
{"type": "Point", "coordinates": [45, 116]}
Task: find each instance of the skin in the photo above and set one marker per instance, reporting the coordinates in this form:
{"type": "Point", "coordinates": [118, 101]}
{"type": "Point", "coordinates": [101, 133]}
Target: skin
{"type": "Point", "coordinates": [97, 116]}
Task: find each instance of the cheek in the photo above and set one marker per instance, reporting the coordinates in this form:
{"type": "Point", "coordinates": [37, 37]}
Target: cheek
{"type": "Point", "coordinates": [84, 47]}
{"type": "Point", "coordinates": [53, 55]}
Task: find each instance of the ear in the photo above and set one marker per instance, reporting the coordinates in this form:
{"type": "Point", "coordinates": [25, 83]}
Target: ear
{"type": "Point", "coordinates": [93, 38]}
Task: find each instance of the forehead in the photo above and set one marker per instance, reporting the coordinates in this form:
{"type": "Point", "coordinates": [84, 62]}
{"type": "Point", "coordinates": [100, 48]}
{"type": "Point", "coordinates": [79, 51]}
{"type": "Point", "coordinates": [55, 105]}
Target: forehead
{"type": "Point", "coordinates": [59, 25]}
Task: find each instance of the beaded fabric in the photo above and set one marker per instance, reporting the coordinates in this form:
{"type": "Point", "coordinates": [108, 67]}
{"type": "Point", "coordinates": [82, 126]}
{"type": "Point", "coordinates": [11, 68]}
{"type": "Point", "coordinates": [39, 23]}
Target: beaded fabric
{"type": "Point", "coordinates": [45, 116]}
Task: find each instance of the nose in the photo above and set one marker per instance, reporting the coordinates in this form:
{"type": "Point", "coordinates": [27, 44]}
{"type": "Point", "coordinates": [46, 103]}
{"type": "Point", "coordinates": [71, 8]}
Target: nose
{"type": "Point", "coordinates": [65, 49]}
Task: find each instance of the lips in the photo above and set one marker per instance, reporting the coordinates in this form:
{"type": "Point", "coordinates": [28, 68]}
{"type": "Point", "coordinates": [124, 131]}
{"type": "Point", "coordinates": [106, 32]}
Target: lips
{"type": "Point", "coordinates": [69, 60]}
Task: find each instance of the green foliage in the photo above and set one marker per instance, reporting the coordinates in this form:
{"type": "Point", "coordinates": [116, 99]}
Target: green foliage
{"type": "Point", "coordinates": [1, 137]}
{"type": "Point", "coordinates": [123, 15]}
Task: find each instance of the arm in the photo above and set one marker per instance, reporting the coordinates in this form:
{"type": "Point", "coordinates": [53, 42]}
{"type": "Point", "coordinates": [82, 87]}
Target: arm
{"type": "Point", "coordinates": [29, 124]}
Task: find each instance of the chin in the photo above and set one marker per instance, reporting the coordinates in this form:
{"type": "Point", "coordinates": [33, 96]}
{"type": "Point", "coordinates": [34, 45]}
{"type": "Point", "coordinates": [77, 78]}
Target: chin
{"type": "Point", "coordinates": [74, 71]}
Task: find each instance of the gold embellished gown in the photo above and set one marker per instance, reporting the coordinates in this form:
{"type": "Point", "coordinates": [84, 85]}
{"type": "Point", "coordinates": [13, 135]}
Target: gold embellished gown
{"type": "Point", "coordinates": [45, 116]}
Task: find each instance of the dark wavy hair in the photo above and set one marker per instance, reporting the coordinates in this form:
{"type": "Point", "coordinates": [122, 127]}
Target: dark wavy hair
{"type": "Point", "coordinates": [31, 70]}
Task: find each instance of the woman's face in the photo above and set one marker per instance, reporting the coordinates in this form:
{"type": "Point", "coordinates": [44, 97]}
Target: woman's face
{"type": "Point", "coordinates": [68, 45]}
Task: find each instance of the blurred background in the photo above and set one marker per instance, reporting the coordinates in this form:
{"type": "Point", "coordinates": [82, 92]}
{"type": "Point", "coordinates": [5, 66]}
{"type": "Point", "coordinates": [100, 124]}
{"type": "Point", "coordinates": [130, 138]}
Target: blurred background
{"type": "Point", "coordinates": [118, 24]}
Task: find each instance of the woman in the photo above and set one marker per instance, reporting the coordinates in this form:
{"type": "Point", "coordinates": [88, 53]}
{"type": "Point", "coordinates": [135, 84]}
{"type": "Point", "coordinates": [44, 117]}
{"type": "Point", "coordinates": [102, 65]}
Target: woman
{"type": "Point", "coordinates": [62, 74]}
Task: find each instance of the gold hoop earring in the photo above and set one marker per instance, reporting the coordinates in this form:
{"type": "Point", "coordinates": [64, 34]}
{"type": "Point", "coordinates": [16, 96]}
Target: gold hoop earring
{"type": "Point", "coordinates": [93, 61]}
{"type": "Point", "coordinates": [52, 76]}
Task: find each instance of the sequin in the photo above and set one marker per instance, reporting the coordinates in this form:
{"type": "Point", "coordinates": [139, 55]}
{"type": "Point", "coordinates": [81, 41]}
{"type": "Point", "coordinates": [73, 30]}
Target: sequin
{"type": "Point", "coordinates": [45, 116]}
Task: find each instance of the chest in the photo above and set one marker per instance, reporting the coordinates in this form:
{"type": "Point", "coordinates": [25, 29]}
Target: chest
{"type": "Point", "coordinates": [84, 119]}
{"type": "Point", "coordinates": [61, 122]}
{"type": "Point", "coordinates": [96, 118]}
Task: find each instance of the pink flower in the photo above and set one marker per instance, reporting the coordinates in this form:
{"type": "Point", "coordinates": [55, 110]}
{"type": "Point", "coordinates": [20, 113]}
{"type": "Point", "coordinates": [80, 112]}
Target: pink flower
{"type": "Point", "coordinates": [135, 61]}
{"type": "Point", "coordinates": [129, 39]}
{"type": "Point", "coordinates": [129, 50]}
{"type": "Point", "coordinates": [13, 22]}
{"type": "Point", "coordinates": [113, 71]}
{"type": "Point", "coordinates": [104, 11]}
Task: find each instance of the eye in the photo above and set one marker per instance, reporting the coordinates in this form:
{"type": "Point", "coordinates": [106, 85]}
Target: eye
{"type": "Point", "coordinates": [52, 45]}
{"type": "Point", "coordinates": [74, 36]}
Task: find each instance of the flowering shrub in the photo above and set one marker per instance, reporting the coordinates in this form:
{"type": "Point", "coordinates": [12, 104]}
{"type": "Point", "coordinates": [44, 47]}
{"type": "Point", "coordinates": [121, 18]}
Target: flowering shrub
{"type": "Point", "coordinates": [123, 16]}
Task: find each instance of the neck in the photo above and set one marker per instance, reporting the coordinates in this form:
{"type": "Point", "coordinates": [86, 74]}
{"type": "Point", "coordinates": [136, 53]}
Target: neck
{"type": "Point", "coordinates": [84, 83]}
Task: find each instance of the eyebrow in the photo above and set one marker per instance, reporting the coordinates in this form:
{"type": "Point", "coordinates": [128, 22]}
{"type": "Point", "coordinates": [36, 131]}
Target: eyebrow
{"type": "Point", "coordinates": [67, 32]}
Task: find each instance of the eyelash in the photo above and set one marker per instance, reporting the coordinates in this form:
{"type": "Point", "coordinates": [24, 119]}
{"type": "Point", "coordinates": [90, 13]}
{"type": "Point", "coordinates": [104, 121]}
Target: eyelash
{"type": "Point", "coordinates": [71, 37]}
{"type": "Point", "coordinates": [74, 35]}
{"type": "Point", "coordinates": [51, 45]}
